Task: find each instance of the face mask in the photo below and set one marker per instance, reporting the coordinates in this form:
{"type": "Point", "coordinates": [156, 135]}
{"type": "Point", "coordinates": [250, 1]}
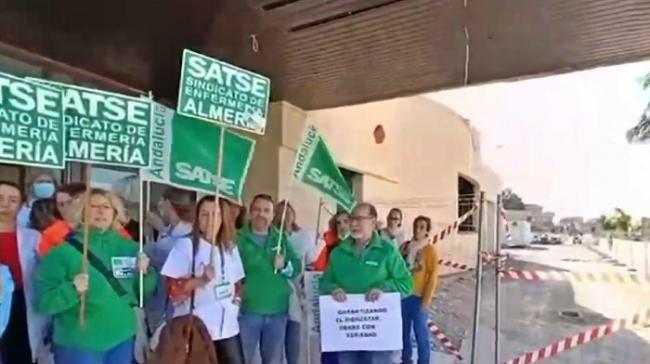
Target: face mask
{"type": "Point", "coordinates": [43, 190]}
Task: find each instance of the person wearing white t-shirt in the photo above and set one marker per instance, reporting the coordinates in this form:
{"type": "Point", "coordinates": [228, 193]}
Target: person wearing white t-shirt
{"type": "Point", "coordinates": [218, 274]}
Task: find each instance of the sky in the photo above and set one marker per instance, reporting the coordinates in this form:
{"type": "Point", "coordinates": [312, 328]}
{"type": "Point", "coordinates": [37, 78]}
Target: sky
{"type": "Point", "coordinates": [560, 142]}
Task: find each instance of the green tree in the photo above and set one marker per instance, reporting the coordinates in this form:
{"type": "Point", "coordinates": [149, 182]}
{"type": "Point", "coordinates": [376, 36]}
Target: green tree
{"type": "Point", "coordinates": [620, 221]}
{"type": "Point", "coordinates": [641, 132]}
{"type": "Point", "coordinates": [512, 201]}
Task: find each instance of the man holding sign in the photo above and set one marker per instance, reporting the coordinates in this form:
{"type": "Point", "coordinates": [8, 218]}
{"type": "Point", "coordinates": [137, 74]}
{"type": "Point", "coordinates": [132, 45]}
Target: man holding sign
{"type": "Point", "coordinates": [366, 264]}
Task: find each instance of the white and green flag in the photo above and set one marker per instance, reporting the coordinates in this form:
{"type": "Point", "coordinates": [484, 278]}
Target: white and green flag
{"type": "Point", "coordinates": [219, 92]}
{"type": "Point", "coordinates": [31, 123]}
{"type": "Point", "coordinates": [105, 127]}
{"type": "Point", "coordinates": [185, 153]}
{"type": "Point", "coordinates": [316, 167]}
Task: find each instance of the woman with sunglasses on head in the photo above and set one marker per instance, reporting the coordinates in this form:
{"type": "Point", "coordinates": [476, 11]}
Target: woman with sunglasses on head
{"type": "Point", "coordinates": [339, 230]}
{"type": "Point", "coordinates": [110, 286]}
{"type": "Point", "coordinates": [211, 271]}
{"type": "Point", "coordinates": [421, 258]}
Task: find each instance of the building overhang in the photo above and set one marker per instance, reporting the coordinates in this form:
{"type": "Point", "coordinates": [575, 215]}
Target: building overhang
{"type": "Point", "coordinates": [323, 54]}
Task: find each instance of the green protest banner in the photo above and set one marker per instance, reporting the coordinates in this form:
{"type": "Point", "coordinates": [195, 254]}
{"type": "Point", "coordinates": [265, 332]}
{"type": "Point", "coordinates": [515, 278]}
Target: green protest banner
{"type": "Point", "coordinates": [185, 154]}
{"type": "Point", "coordinates": [104, 127]}
{"type": "Point", "coordinates": [220, 92]}
{"type": "Point", "coordinates": [316, 167]}
{"type": "Point", "coordinates": [31, 123]}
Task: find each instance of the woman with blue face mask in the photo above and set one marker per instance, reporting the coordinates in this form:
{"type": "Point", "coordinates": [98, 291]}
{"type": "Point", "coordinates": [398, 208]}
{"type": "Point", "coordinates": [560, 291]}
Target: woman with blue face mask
{"type": "Point", "coordinates": [43, 186]}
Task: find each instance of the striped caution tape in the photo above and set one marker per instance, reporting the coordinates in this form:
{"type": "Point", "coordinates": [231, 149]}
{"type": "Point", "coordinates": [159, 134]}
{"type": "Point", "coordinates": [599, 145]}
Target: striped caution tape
{"type": "Point", "coordinates": [582, 338]}
{"type": "Point", "coordinates": [442, 234]}
{"type": "Point", "coordinates": [577, 277]}
{"type": "Point", "coordinates": [444, 340]}
{"type": "Point", "coordinates": [455, 265]}
{"type": "Point", "coordinates": [488, 258]}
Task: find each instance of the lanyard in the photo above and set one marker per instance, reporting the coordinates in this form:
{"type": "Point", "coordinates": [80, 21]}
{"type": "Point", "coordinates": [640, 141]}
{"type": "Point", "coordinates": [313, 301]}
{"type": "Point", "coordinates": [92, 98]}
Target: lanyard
{"type": "Point", "coordinates": [222, 265]}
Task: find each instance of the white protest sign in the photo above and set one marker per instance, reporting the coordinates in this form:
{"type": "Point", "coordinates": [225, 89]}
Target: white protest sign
{"type": "Point", "coordinates": [359, 325]}
{"type": "Point", "coordinates": [312, 283]}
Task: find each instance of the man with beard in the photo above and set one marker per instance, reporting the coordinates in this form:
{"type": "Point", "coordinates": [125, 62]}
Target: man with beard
{"type": "Point", "coordinates": [365, 263]}
{"type": "Point", "coordinates": [269, 266]}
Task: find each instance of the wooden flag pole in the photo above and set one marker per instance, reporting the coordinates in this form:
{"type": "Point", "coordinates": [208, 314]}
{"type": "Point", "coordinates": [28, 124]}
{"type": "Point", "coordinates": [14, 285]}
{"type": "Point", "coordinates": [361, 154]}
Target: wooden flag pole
{"type": "Point", "coordinates": [217, 206]}
{"type": "Point", "coordinates": [86, 236]}
{"type": "Point", "coordinates": [141, 236]}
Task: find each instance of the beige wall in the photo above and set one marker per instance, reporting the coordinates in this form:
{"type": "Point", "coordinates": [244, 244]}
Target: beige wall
{"type": "Point", "coordinates": [416, 168]}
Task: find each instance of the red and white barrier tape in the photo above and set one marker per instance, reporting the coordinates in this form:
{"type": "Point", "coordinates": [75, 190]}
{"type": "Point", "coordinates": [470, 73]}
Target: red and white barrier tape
{"type": "Point", "coordinates": [455, 265]}
{"type": "Point", "coordinates": [442, 234]}
{"type": "Point", "coordinates": [578, 277]}
{"type": "Point", "coordinates": [444, 340]}
{"type": "Point", "coordinates": [582, 338]}
{"type": "Point", "coordinates": [486, 258]}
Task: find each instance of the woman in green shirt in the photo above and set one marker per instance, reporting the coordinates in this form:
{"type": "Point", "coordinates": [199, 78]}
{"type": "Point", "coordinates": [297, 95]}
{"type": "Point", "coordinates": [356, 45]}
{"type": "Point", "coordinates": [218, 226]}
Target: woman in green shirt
{"type": "Point", "coordinates": [110, 286]}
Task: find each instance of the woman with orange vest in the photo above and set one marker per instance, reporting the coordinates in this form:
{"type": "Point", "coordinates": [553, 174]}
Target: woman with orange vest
{"type": "Point", "coordinates": [339, 229]}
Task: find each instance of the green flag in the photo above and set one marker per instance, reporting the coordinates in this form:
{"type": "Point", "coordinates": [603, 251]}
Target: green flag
{"type": "Point", "coordinates": [185, 154]}
{"type": "Point", "coordinates": [316, 167]}
{"type": "Point", "coordinates": [31, 123]}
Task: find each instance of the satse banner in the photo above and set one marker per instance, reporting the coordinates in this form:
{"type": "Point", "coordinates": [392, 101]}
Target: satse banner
{"type": "Point", "coordinates": [31, 123]}
{"type": "Point", "coordinates": [104, 127]}
{"type": "Point", "coordinates": [316, 167]}
{"type": "Point", "coordinates": [359, 325]}
{"type": "Point", "coordinates": [220, 92]}
{"type": "Point", "coordinates": [185, 154]}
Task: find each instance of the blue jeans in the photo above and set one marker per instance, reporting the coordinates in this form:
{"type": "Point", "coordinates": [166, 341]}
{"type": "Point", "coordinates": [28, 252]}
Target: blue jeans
{"type": "Point", "coordinates": [366, 357]}
{"type": "Point", "coordinates": [119, 354]}
{"type": "Point", "coordinates": [413, 316]}
{"type": "Point", "coordinates": [265, 331]}
{"type": "Point", "coordinates": [329, 358]}
{"type": "Point", "coordinates": [292, 342]}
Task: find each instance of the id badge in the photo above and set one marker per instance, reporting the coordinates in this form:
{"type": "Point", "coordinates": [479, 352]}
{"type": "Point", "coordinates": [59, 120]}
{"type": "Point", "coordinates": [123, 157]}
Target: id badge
{"type": "Point", "coordinates": [123, 267]}
{"type": "Point", "coordinates": [223, 291]}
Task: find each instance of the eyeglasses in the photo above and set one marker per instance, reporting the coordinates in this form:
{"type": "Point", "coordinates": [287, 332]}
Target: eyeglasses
{"type": "Point", "coordinates": [359, 218]}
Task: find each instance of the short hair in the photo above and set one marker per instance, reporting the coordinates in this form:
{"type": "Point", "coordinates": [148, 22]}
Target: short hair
{"type": "Point", "coordinates": [263, 197]}
{"type": "Point", "coordinates": [43, 214]}
{"type": "Point", "coordinates": [226, 233]}
{"type": "Point", "coordinates": [36, 172]}
{"type": "Point", "coordinates": [399, 211]}
{"type": "Point", "coordinates": [182, 202]}
{"type": "Point", "coordinates": [73, 189]}
{"type": "Point", "coordinates": [372, 210]}
{"type": "Point", "coordinates": [113, 199]}
{"type": "Point", "coordinates": [425, 219]}
{"type": "Point", "coordinates": [14, 186]}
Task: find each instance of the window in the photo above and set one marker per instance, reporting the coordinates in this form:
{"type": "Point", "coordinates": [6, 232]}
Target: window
{"type": "Point", "coordinates": [353, 180]}
{"type": "Point", "coordinates": [467, 199]}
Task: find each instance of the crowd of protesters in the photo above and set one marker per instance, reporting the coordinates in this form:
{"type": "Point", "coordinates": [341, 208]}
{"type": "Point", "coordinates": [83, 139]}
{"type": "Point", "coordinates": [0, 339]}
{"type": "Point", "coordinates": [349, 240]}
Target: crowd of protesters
{"type": "Point", "coordinates": [237, 274]}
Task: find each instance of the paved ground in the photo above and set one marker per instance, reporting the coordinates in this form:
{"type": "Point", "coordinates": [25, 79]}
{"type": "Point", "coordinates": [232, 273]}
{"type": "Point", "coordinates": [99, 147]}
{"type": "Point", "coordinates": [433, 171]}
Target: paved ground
{"type": "Point", "coordinates": [530, 310]}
